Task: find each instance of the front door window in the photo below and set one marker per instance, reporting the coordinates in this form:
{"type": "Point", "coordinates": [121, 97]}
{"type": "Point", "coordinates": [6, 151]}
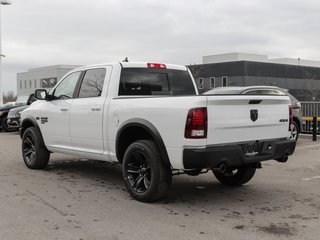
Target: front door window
{"type": "Point", "coordinates": [66, 88]}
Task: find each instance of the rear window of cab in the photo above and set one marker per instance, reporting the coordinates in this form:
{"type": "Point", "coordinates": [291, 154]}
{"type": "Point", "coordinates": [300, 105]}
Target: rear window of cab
{"type": "Point", "coordinates": [148, 82]}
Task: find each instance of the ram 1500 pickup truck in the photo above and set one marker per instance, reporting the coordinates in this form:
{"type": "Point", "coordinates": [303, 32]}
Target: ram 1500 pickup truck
{"type": "Point", "coordinates": [150, 118]}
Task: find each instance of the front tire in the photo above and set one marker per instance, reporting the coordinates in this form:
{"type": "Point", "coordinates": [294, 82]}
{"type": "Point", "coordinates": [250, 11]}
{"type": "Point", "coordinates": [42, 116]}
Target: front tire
{"type": "Point", "coordinates": [5, 127]}
{"type": "Point", "coordinates": [35, 154]}
{"type": "Point", "coordinates": [146, 177]}
{"type": "Point", "coordinates": [235, 177]}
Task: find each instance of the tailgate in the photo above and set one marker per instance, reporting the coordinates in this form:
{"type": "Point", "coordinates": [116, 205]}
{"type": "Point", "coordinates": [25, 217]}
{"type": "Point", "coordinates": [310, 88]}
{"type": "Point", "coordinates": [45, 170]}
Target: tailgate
{"type": "Point", "coordinates": [241, 118]}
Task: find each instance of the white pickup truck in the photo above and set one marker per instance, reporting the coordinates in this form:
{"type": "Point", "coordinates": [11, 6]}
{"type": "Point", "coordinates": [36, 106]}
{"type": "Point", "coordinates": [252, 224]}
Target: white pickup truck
{"type": "Point", "coordinates": [150, 118]}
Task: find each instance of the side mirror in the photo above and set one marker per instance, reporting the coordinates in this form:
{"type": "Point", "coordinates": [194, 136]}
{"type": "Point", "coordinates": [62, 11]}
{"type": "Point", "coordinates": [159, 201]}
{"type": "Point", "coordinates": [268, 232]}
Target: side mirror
{"type": "Point", "coordinates": [41, 94]}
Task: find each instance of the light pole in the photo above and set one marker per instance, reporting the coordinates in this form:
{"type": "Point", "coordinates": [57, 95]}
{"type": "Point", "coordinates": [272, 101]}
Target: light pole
{"type": "Point", "coordinates": [2, 2]}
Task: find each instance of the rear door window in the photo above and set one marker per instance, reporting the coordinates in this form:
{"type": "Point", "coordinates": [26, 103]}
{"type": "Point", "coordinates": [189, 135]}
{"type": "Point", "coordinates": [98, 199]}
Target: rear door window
{"type": "Point", "coordinates": [92, 83]}
{"type": "Point", "coordinates": [144, 81]}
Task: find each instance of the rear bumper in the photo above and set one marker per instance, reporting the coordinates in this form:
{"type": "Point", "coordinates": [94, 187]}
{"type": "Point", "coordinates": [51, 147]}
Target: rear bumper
{"type": "Point", "coordinates": [235, 154]}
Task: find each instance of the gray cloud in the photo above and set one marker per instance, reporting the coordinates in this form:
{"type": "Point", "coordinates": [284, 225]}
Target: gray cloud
{"type": "Point", "coordinates": [42, 32]}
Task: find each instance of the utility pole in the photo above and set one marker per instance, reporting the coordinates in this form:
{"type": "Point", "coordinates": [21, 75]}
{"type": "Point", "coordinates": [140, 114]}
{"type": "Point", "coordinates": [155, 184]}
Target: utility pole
{"type": "Point", "coordinates": [2, 2]}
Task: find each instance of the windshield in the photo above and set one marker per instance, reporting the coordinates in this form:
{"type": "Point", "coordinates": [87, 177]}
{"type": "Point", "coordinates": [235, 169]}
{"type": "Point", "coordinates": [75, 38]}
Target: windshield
{"type": "Point", "coordinates": [22, 100]}
{"type": "Point", "coordinates": [223, 91]}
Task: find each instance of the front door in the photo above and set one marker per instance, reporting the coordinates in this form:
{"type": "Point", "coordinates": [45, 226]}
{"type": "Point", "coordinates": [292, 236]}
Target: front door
{"type": "Point", "coordinates": [54, 117]}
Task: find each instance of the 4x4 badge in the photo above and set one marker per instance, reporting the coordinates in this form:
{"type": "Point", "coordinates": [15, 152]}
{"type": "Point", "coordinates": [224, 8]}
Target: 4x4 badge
{"type": "Point", "coordinates": [44, 120]}
{"type": "Point", "coordinates": [254, 114]}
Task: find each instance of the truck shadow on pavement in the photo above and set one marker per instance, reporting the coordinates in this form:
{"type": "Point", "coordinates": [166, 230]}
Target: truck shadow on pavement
{"type": "Point", "coordinates": [252, 206]}
{"type": "Point", "coordinates": [193, 189]}
{"type": "Point", "coordinates": [88, 170]}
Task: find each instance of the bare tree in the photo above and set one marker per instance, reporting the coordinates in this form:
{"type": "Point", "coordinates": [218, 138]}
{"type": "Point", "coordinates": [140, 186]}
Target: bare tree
{"type": "Point", "coordinates": [9, 97]}
{"type": "Point", "coordinates": [93, 84]}
{"type": "Point", "coordinates": [199, 70]}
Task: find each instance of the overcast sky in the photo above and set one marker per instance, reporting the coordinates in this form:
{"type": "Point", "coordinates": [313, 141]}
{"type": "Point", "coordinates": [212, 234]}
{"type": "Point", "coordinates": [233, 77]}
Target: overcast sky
{"type": "Point", "coordinates": [38, 33]}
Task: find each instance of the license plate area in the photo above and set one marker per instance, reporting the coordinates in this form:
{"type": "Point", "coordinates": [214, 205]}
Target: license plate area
{"type": "Point", "coordinates": [251, 149]}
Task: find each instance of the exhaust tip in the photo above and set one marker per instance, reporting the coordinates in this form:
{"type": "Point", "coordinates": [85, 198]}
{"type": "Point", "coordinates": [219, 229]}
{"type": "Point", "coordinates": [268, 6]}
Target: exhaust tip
{"type": "Point", "coordinates": [283, 159]}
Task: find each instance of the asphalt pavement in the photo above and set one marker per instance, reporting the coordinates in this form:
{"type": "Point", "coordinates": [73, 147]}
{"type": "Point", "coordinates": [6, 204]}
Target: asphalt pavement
{"type": "Point", "coordinates": [84, 199]}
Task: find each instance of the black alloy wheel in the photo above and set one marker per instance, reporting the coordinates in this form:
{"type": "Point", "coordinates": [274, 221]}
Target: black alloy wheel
{"type": "Point", "coordinates": [29, 149]}
{"type": "Point", "coordinates": [139, 172]}
{"type": "Point", "coordinates": [146, 177]}
{"type": "Point", "coordinates": [35, 154]}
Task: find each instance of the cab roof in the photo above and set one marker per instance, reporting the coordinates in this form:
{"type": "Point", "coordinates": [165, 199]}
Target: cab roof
{"type": "Point", "coordinates": [138, 65]}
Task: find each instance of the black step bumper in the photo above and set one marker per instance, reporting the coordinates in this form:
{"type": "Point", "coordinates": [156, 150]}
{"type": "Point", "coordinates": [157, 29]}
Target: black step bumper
{"type": "Point", "coordinates": [234, 155]}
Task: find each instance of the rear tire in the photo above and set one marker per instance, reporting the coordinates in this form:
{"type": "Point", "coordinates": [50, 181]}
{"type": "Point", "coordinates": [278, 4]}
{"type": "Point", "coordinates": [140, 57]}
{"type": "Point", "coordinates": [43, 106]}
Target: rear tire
{"type": "Point", "coordinates": [235, 177]}
{"type": "Point", "coordinates": [146, 177]}
{"type": "Point", "coordinates": [35, 154]}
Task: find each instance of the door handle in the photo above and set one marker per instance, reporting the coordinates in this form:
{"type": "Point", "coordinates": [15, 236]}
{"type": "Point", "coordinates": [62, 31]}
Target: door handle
{"type": "Point", "coordinates": [64, 109]}
{"type": "Point", "coordinates": [95, 108]}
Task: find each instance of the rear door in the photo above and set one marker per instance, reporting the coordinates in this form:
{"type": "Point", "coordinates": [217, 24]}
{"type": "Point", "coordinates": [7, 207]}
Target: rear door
{"type": "Point", "coordinates": [241, 118]}
{"type": "Point", "coordinates": [86, 115]}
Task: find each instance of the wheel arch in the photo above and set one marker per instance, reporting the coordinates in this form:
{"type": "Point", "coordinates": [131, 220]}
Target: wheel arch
{"type": "Point", "coordinates": [139, 129]}
{"type": "Point", "coordinates": [30, 122]}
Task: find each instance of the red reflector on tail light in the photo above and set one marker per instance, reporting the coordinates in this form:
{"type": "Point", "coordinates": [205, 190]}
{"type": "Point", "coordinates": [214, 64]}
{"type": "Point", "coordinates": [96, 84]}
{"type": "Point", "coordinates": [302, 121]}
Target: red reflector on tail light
{"type": "Point", "coordinates": [197, 123]}
{"type": "Point", "coordinates": [290, 119]}
{"type": "Point", "coordinates": [156, 65]}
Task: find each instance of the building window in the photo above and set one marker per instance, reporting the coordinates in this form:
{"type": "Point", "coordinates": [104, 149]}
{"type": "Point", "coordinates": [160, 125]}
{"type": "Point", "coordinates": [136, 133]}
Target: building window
{"type": "Point", "coordinates": [35, 83]}
{"type": "Point", "coordinates": [200, 83]}
{"type": "Point", "coordinates": [20, 84]}
{"type": "Point", "coordinates": [25, 84]}
{"type": "Point", "coordinates": [48, 82]}
{"type": "Point", "coordinates": [224, 81]}
{"type": "Point", "coordinates": [212, 82]}
{"type": "Point", "coordinates": [30, 84]}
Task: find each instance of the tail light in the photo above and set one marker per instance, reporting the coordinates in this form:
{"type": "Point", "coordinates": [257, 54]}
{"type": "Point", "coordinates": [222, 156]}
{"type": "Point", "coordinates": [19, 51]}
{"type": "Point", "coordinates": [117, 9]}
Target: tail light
{"type": "Point", "coordinates": [197, 123]}
{"type": "Point", "coordinates": [290, 119]}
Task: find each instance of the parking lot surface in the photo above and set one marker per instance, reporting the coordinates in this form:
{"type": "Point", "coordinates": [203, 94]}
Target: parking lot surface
{"type": "Point", "coordinates": [85, 199]}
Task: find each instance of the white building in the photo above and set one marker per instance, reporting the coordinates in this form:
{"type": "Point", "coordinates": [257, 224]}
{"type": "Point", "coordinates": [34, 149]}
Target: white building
{"type": "Point", "coordinates": [43, 77]}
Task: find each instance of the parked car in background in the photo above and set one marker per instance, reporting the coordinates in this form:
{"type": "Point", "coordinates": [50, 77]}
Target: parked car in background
{"type": "Point", "coordinates": [297, 115]}
{"type": "Point", "coordinates": [13, 118]}
{"type": "Point", "coordinates": [5, 109]}
{"type": "Point", "coordinates": [8, 104]}
{"type": "Point", "coordinates": [266, 90]}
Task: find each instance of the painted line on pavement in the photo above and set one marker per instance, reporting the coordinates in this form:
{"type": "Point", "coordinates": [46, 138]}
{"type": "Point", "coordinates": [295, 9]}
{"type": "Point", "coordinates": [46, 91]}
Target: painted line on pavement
{"type": "Point", "coordinates": [317, 145]}
{"type": "Point", "coordinates": [308, 179]}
